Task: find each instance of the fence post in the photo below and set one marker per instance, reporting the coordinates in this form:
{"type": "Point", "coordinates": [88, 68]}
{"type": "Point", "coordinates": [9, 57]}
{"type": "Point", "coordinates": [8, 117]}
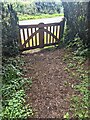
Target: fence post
{"type": "Point", "coordinates": [19, 40]}
{"type": "Point", "coordinates": [41, 35]}
{"type": "Point", "coordinates": [62, 23]}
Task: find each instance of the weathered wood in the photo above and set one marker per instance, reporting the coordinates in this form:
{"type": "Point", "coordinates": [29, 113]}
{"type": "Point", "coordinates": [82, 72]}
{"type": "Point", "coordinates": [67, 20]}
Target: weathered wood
{"type": "Point", "coordinates": [28, 37]}
{"type": "Point", "coordinates": [24, 37]}
{"type": "Point", "coordinates": [41, 35]}
{"type": "Point", "coordinates": [34, 47]}
{"type": "Point", "coordinates": [20, 41]}
{"type": "Point", "coordinates": [27, 26]}
{"type": "Point", "coordinates": [59, 31]}
{"type": "Point", "coordinates": [50, 36]}
{"type": "Point", "coordinates": [32, 37]}
{"type": "Point", "coordinates": [56, 31]}
{"type": "Point", "coordinates": [53, 34]}
{"type": "Point", "coordinates": [35, 26]}
{"type": "Point", "coordinates": [35, 38]}
{"type": "Point", "coordinates": [46, 34]}
{"type": "Point", "coordinates": [62, 28]}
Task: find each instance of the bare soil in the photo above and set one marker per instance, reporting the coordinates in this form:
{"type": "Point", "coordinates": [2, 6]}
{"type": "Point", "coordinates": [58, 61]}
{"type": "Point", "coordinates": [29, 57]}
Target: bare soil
{"type": "Point", "coordinates": [51, 89]}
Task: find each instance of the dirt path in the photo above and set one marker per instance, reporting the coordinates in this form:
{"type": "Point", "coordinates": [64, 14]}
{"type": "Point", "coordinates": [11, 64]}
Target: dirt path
{"type": "Point", "coordinates": [51, 88]}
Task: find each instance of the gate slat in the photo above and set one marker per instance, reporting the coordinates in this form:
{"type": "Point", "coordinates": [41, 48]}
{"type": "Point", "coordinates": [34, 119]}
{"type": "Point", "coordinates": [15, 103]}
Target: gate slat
{"type": "Point", "coordinates": [50, 36]}
{"type": "Point", "coordinates": [40, 35]}
{"type": "Point", "coordinates": [47, 36]}
{"type": "Point", "coordinates": [20, 40]}
{"type": "Point", "coordinates": [59, 32]}
{"type": "Point", "coordinates": [24, 35]}
{"type": "Point", "coordinates": [35, 38]}
{"type": "Point", "coordinates": [53, 33]}
{"type": "Point", "coordinates": [56, 31]}
{"type": "Point", "coordinates": [32, 37]}
{"type": "Point", "coordinates": [28, 37]}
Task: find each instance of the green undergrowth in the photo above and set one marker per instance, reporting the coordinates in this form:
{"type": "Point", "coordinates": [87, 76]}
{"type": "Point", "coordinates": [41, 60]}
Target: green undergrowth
{"type": "Point", "coordinates": [13, 90]}
{"type": "Point", "coordinates": [77, 67]}
{"type": "Point", "coordinates": [38, 16]}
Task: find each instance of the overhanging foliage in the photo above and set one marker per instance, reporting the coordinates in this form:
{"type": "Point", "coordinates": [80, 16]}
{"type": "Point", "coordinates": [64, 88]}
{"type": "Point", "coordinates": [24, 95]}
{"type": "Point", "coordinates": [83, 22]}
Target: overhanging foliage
{"type": "Point", "coordinates": [9, 31]}
{"type": "Point", "coordinates": [76, 15]}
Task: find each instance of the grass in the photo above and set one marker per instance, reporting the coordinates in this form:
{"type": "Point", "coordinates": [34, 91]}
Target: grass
{"type": "Point", "coordinates": [38, 16]}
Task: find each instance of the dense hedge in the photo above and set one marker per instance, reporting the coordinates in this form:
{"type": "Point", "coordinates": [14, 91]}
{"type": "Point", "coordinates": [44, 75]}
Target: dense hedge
{"type": "Point", "coordinates": [38, 8]}
{"type": "Point", "coordinates": [48, 7]}
{"type": "Point", "coordinates": [88, 17]}
{"type": "Point", "coordinates": [77, 36]}
{"type": "Point", "coordinates": [9, 31]}
{"type": "Point", "coordinates": [13, 88]}
{"type": "Point", "coordinates": [77, 24]}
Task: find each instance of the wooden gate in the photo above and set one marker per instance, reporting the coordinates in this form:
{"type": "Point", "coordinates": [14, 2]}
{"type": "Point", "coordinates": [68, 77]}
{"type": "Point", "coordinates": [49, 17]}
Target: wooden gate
{"type": "Point", "coordinates": [40, 35]}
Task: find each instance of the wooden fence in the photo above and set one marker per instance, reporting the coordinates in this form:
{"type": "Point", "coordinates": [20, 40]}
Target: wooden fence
{"type": "Point", "coordinates": [40, 35]}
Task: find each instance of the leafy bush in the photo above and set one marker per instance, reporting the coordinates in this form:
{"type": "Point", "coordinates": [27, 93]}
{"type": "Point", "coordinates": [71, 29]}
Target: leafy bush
{"type": "Point", "coordinates": [38, 7]}
{"type": "Point", "coordinates": [80, 99]}
{"type": "Point", "coordinates": [9, 31]}
{"type": "Point", "coordinates": [81, 103]}
{"type": "Point", "coordinates": [13, 91]}
{"type": "Point", "coordinates": [77, 27]}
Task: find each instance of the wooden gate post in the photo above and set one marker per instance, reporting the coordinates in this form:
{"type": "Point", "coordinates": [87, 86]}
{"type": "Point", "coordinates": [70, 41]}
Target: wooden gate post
{"type": "Point", "coordinates": [41, 35]}
{"type": "Point", "coordinates": [62, 27]}
{"type": "Point", "coordinates": [19, 40]}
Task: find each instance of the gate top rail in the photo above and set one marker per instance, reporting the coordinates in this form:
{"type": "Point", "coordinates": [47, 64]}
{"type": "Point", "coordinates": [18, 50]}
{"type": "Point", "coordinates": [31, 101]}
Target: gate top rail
{"type": "Point", "coordinates": [44, 25]}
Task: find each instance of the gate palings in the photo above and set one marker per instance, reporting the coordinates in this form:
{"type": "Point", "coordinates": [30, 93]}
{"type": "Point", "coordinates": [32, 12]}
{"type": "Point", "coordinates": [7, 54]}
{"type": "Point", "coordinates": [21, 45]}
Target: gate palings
{"type": "Point", "coordinates": [40, 35]}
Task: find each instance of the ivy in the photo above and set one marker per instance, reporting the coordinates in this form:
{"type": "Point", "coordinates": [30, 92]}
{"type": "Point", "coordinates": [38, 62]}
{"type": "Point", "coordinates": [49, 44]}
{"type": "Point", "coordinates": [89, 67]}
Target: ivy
{"type": "Point", "coordinates": [80, 100]}
{"type": "Point", "coordinates": [13, 91]}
